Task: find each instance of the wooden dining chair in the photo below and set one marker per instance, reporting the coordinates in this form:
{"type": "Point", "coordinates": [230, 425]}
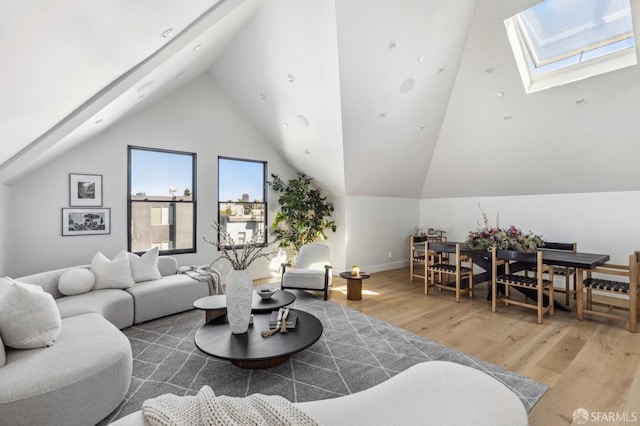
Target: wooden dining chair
{"type": "Point", "coordinates": [445, 261]}
{"type": "Point", "coordinates": [537, 286]}
{"type": "Point", "coordinates": [612, 295]}
{"type": "Point", "coordinates": [569, 274]}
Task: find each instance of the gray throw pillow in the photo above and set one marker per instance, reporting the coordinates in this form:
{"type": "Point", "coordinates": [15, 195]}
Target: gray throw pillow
{"type": "Point", "coordinates": [29, 316]}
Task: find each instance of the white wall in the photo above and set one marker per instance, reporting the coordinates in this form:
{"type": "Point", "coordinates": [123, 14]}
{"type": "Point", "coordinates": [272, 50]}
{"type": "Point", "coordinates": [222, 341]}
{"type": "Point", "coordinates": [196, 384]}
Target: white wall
{"type": "Point", "coordinates": [198, 118]}
{"type": "Point", "coordinates": [377, 226]}
{"type": "Point", "coordinates": [336, 240]}
{"type": "Point", "coordinates": [599, 222]}
{"type": "Point", "coordinates": [6, 225]}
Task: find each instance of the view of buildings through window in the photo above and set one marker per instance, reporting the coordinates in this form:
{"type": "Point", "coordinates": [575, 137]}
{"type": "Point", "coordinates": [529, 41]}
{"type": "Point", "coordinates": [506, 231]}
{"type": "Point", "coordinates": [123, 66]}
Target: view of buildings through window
{"type": "Point", "coordinates": [242, 198]}
{"type": "Point", "coordinates": [162, 198]}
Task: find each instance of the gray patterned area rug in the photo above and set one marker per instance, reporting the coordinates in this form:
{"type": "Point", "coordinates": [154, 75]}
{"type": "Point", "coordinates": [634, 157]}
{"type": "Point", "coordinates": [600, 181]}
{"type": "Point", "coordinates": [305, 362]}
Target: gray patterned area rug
{"type": "Point", "coordinates": [355, 352]}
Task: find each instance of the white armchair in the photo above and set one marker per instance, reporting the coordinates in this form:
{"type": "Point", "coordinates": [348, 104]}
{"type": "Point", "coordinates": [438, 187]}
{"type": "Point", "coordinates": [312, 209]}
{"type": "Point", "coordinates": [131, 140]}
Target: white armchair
{"type": "Point", "coordinates": [312, 271]}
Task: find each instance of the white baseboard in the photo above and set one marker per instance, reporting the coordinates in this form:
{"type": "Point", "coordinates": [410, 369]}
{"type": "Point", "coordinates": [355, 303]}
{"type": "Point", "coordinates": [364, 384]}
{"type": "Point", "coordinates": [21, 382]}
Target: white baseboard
{"type": "Point", "coordinates": [378, 268]}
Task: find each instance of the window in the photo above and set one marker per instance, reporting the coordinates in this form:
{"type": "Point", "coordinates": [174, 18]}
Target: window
{"type": "Point", "coordinates": [242, 206]}
{"type": "Point", "coordinates": [560, 41]}
{"type": "Point", "coordinates": [162, 200]}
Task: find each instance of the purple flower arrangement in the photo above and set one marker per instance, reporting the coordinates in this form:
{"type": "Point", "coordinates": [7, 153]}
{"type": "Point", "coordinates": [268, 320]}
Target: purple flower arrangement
{"type": "Point", "coordinates": [512, 238]}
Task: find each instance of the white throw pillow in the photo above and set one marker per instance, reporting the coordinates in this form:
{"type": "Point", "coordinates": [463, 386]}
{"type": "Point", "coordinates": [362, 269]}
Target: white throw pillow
{"type": "Point", "coordinates": [3, 355]}
{"type": "Point", "coordinates": [76, 281]}
{"type": "Point", "coordinates": [145, 267]}
{"type": "Point", "coordinates": [114, 273]}
{"type": "Point", "coordinates": [29, 316]}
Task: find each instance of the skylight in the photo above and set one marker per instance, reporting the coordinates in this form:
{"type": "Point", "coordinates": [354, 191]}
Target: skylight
{"type": "Point", "coordinates": [560, 41]}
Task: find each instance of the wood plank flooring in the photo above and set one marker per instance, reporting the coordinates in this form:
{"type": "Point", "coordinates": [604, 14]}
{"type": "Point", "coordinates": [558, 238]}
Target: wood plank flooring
{"type": "Point", "coordinates": [591, 364]}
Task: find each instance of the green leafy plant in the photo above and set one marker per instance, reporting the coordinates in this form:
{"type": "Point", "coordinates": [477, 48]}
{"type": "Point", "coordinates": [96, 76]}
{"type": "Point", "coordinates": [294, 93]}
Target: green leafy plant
{"type": "Point", "coordinates": [487, 236]}
{"type": "Point", "coordinates": [304, 213]}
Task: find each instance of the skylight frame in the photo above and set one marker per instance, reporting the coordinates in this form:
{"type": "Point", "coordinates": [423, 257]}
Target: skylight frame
{"type": "Point", "coordinates": [558, 73]}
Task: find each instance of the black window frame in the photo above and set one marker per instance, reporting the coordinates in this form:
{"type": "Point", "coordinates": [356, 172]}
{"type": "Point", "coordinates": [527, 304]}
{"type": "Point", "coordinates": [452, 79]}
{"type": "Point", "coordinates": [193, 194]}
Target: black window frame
{"type": "Point", "coordinates": [194, 202]}
{"type": "Point", "coordinates": [265, 170]}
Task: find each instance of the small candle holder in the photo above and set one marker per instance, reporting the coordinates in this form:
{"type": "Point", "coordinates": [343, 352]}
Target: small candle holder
{"type": "Point", "coordinates": [355, 271]}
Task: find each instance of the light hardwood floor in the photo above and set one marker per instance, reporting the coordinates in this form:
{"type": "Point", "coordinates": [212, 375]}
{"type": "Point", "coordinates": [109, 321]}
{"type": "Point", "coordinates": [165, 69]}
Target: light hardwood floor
{"type": "Point", "coordinates": [590, 364]}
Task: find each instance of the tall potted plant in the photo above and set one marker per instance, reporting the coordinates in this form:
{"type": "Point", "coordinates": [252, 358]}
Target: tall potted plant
{"type": "Point", "coordinates": [304, 215]}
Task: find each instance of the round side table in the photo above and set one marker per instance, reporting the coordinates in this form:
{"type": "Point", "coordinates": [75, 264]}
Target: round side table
{"type": "Point", "coordinates": [354, 284]}
{"type": "Point", "coordinates": [216, 306]}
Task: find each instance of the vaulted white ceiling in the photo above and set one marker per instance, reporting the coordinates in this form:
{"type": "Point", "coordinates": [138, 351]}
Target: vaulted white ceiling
{"type": "Point", "coordinates": [370, 97]}
{"type": "Point", "coordinates": [372, 78]}
{"type": "Point", "coordinates": [73, 68]}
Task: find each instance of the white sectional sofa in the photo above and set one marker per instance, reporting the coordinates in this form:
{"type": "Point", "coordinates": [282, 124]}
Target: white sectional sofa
{"type": "Point", "coordinates": [86, 373]}
{"type": "Point", "coordinates": [78, 381]}
{"type": "Point", "coordinates": [431, 393]}
{"type": "Point", "coordinates": [144, 301]}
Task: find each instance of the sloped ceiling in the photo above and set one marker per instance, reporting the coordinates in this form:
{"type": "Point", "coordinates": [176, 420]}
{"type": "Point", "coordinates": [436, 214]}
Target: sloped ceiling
{"type": "Point", "coordinates": [372, 78]}
{"type": "Point", "coordinates": [540, 143]}
{"type": "Point", "coordinates": [73, 68]}
{"type": "Point", "coordinates": [370, 97]}
{"type": "Point", "coordinates": [282, 71]}
{"type": "Point", "coordinates": [398, 63]}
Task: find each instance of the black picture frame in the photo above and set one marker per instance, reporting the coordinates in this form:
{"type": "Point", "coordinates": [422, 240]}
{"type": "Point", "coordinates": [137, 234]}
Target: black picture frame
{"type": "Point", "coordinates": [85, 190]}
{"type": "Point", "coordinates": [86, 221]}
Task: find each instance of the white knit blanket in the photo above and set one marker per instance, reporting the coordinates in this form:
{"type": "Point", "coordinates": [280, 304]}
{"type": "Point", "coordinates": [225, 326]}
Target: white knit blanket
{"type": "Point", "coordinates": [207, 409]}
{"type": "Point", "coordinates": [204, 273]}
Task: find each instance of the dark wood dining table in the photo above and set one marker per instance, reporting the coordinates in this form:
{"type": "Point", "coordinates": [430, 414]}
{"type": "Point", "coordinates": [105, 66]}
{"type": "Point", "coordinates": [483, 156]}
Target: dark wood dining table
{"type": "Point", "coordinates": [578, 260]}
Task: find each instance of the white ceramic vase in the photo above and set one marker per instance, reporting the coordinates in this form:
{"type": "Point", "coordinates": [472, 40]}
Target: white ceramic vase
{"type": "Point", "coordinates": [239, 298]}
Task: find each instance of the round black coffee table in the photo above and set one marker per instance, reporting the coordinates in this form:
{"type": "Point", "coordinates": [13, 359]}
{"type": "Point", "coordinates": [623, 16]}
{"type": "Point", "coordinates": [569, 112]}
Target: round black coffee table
{"type": "Point", "coordinates": [216, 306]}
{"type": "Point", "coordinates": [250, 349]}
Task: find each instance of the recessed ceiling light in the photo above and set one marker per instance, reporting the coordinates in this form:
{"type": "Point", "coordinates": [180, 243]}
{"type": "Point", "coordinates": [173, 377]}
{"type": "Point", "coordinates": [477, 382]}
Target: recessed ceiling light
{"type": "Point", "coordinates": [392, 45]}
{"type": "Point", "coordinates": [197, 47]}
{"type": "Point", "coordinates": [167, 33]}
{"type": "Point", "coordinates": [420, 59]}
{"type": "Point", "coordinates": [302, 120]}
{"type": "Point", "coordinates": [145, 86]}
{"type": "Point", "coordinates": [291, 78]}
{"type": "Point", "coordinates": [580, 101]}
{"type": "Point", "coordinates": [500, 95]}
{"type": "Point", "coordinates": [407, 85]}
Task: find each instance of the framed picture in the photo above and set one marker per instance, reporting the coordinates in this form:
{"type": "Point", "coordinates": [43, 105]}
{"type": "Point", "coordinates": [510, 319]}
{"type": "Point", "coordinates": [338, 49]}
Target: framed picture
{"type": "Point", "coordinates": [85, 190]}
{"type": "Point", "coordinates": [86, 221]}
